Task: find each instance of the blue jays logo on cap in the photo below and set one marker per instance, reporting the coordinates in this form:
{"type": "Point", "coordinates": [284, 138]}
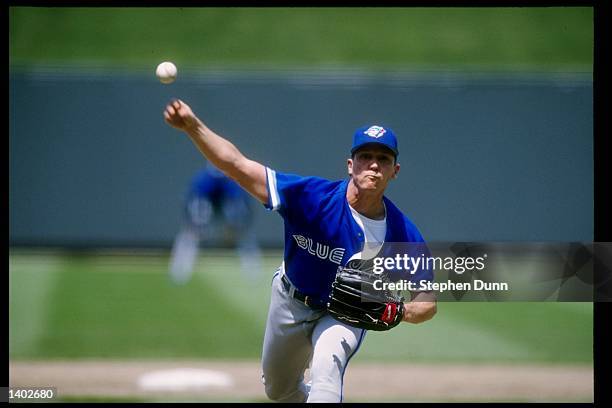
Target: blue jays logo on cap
{"type": "Point", "coordinates": [375, 134]}
{"type": "Point", "coordinates": [375, 131]}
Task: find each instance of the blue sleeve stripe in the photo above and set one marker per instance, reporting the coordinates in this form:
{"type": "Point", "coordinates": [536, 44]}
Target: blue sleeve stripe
{"type": "Point", "coordinates": [274, 197]}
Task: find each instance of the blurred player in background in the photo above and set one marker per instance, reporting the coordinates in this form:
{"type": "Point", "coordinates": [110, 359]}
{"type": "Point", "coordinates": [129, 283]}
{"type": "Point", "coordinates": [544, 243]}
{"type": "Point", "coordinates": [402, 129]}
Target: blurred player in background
{"type": "Point", "coordinates": [216, 211]}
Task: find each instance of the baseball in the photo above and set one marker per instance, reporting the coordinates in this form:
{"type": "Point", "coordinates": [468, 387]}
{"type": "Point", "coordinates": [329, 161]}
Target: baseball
{"type": "Point", "coordinates": [166, 72]}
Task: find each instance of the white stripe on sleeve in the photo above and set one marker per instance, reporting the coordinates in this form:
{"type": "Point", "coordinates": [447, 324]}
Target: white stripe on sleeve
{"type": "Point", "coordinates": [274, 197]}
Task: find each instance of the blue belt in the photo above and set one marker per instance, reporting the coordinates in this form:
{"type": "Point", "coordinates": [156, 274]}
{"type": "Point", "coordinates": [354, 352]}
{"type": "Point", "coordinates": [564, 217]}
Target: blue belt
{"type": "Point", "coordinates": [309, 301]}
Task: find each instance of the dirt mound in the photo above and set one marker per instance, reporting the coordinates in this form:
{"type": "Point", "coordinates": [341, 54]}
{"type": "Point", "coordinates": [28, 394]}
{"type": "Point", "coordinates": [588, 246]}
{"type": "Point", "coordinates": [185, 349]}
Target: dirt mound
{"type": "Point", "coordinates": [241, 381]}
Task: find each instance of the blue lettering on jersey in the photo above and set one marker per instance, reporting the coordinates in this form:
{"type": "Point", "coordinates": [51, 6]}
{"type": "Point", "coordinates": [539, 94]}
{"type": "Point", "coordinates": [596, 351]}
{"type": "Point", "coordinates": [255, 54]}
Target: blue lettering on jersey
{"type": "Point", "coordinates": [322, 251]}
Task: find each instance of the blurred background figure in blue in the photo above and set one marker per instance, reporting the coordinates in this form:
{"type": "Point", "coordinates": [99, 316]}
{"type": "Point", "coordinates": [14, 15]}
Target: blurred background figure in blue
{"type": "Point", "coordinates": [218, 212]}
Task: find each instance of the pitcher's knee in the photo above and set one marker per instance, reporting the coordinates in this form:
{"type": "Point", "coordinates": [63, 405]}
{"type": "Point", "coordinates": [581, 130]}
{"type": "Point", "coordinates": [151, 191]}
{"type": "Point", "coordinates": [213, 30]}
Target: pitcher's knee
{"type": "Point", "coordinates": [273, 393]}
{"type": "Point", "coordinates": [284, 393]}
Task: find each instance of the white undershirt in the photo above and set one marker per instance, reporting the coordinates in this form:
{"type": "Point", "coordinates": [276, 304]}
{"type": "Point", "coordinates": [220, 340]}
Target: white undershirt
{"type": "Point", "coordinates": [374, 233]}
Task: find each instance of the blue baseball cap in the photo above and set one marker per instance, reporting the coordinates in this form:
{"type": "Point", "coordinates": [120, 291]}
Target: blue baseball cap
{"type": "Point", "coordinates": [374, 134]}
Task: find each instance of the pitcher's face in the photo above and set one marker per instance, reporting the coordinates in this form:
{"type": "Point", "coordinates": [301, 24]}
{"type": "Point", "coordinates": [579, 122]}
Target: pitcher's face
{"type": "Point", "coordinates": [372, 167]}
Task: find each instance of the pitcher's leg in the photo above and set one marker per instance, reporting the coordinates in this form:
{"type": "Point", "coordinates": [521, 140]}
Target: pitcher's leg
{"type": "Point", "coordinates": [287, 348]}
{"type": "Point", "coordinates": [334, 345]}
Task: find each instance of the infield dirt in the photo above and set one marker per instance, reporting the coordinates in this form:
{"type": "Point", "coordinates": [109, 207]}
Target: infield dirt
{"type": "Point", "coordinates": [363, 382]}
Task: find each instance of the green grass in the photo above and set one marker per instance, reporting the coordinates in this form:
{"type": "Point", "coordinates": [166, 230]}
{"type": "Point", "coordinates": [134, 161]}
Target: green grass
{"type": "Point", "coordinates": [486, 332]}
{"type": "Point", "coordinates": [104, 306]}
{"type": "Point", "coordinates": [554, 38]}
{"type": "Point", "coordinates": [127, 307]}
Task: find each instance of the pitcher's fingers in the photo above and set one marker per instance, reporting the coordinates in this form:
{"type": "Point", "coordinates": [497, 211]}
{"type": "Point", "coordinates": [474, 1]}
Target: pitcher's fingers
{"type": "Point", "coordinates": [170, 110]}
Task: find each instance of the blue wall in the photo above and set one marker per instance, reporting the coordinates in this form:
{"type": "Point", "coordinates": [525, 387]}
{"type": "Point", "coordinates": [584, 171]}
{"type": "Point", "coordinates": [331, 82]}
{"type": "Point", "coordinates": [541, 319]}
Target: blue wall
{"type": "Point", "coordinates": [484, 157]}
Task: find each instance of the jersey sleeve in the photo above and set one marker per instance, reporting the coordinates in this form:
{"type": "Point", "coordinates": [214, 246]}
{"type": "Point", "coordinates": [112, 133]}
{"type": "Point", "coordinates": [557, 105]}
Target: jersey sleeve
{"type": "Point", "coordinates": [286, 191]}
{"type": "Point", "coordinates": [272, 185]}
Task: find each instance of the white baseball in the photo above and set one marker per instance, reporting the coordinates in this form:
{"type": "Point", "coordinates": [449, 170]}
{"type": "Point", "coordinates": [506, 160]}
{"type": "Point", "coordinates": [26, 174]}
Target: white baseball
{"type": "Point", "coordinates": [166, 72]}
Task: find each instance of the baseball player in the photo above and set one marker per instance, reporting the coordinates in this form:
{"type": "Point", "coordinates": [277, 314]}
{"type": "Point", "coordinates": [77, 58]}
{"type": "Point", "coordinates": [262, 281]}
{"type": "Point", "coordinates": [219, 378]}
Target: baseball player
{"type": "Point", "coordinates": [327, 223]}
{"type": "Point", "coordinates": [216, 210]}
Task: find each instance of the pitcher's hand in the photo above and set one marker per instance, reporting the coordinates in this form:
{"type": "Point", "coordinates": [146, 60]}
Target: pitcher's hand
{"type": "Point", "coordinates": [180, 116]}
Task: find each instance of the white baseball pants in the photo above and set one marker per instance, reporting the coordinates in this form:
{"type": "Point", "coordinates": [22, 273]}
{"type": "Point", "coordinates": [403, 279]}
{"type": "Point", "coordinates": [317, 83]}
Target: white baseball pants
{"type": "Point", "coordinates": [298, 337]}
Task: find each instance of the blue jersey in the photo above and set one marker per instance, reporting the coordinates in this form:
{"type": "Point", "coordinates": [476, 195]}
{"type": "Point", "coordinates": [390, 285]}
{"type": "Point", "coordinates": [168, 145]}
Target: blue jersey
{"type": "Point", "coordinates": [320, 231]}
{"type": "Point", "coordinates": [212, 195]}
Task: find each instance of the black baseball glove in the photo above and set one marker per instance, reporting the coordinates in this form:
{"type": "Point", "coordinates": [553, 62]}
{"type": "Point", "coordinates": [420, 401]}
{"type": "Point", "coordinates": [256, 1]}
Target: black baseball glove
{"type": "Point", "coordinates": [354, 300]}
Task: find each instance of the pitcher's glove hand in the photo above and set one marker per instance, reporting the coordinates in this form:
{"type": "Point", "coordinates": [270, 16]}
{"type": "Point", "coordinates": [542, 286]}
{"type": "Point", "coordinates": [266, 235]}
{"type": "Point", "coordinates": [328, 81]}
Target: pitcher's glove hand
{"type": "Point", "coordinates": [354, 301]}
